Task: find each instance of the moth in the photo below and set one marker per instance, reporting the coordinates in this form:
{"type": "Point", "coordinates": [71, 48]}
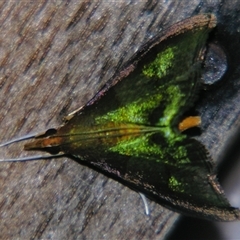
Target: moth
{"type": "Point", "coordinates": [134, 126]}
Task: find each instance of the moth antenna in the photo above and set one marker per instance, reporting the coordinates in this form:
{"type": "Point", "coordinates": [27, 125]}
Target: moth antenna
{"type": "Point", "coordinates": [32, 158]}
{"type": "Point", "coordinates": [20, 139]}
{"type": "Point", "coordinates": [145, 203]}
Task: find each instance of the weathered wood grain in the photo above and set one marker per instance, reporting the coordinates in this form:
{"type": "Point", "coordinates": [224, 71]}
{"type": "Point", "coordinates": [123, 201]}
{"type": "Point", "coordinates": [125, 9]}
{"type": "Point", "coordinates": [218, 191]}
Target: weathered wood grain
{"type": "Point", "coordinates": [54, 56]}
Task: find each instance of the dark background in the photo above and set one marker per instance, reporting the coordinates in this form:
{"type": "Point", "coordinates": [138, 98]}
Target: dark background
{"type": "Point", "coordinates": [54, 56]}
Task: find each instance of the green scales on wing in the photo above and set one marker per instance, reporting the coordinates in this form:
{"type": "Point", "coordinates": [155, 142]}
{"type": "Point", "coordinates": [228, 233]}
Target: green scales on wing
{"type": "Point", "coordinates": [130, 128]}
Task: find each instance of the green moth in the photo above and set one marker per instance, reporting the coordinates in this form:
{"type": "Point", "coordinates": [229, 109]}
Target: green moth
{"type": "Point", "coordinates": [133, 127]}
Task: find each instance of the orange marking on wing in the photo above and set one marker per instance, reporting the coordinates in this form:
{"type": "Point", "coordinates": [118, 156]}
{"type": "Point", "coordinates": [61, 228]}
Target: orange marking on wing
{"type": "Point", "coordinates": [189, 122]}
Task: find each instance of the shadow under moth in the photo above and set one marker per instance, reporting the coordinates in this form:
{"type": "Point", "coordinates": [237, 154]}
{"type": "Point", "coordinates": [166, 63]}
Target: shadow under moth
{"type": "Point", "coordinates": [133, 127]}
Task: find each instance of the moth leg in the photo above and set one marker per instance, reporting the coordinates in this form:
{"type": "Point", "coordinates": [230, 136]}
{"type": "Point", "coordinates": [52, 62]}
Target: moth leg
{"type": "Point", "coordinates": [145, 203]}
{"type": "Point", "coordinates": [72, 114]}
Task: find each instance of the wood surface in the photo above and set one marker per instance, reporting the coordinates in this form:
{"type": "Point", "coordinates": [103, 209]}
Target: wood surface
{"type": "Point", "coordinates": [54, 56]}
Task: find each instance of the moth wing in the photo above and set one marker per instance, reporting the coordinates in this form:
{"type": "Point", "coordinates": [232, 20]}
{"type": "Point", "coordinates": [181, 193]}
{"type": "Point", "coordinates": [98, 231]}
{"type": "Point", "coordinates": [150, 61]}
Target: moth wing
{"type": "Point", "coordinates": [180, 176]}
{"type": "Point", "coordinates": [160, 81]}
